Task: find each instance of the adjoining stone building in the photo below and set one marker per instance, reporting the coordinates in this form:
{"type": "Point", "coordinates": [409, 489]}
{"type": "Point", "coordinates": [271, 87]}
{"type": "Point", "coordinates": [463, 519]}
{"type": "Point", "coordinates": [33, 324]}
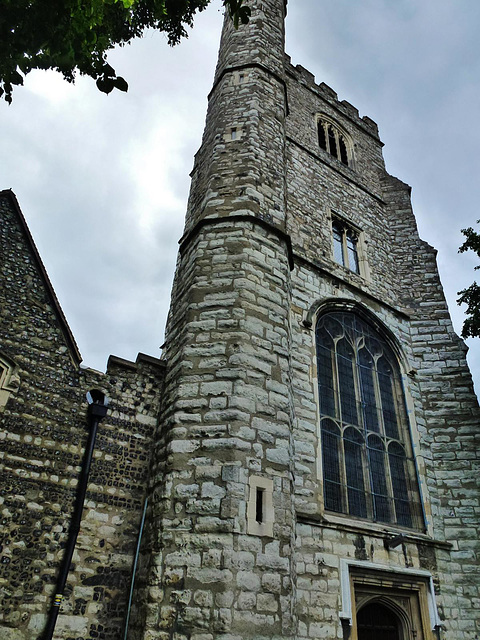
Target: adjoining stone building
{"type": "Point", "coordinates": [314, 469]}
{"type": "Point", "coordinates": [43, 434]}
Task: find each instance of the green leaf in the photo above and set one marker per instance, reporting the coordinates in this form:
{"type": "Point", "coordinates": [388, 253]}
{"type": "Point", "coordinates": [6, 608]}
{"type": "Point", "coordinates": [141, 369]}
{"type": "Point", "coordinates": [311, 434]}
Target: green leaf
{"type": "Point", "coordinates": [74, 36]}
{"type": "Point", "coordinates": [16, 78]}
{"type": "Point", "coordinates": [108, 70]}
{"type": "Point", "coordinates": [121, 83]}
{"type": "Point", "coordinates": [106, 85]}
{"type": "Point", "coordinates": [245, 13]}
{"type": "Point", "coordinates": [471, 295]}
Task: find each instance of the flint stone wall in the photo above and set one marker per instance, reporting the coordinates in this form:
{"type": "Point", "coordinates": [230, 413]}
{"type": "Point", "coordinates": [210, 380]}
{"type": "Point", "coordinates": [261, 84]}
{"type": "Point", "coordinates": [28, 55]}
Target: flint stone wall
{"type": "Point", "coordinates": [43, 432]}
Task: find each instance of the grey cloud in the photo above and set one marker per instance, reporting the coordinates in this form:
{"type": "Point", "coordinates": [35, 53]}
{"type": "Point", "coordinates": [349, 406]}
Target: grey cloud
{"type": "Point", "coordinates": [106, 202]}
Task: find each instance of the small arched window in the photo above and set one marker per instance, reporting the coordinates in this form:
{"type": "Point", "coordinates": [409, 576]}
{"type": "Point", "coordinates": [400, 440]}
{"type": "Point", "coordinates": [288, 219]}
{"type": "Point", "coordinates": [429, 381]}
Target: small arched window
{"type": "Point", "coordinates": [332, 140]}
{"type": "Point", "coordinates": [368, 466]}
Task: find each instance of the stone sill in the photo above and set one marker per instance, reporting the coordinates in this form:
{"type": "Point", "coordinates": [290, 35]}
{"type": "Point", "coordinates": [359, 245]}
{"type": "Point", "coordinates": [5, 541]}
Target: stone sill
{"type": "Point", "coordinates": [379, 530]}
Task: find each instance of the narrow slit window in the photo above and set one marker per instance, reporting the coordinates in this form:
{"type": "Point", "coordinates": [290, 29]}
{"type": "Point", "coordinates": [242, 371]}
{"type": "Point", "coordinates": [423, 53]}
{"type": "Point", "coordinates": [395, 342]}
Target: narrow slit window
{"type": "Point", "coordinates": [259, 505]}
{"type": "Point", "coordinates": [260, 511]}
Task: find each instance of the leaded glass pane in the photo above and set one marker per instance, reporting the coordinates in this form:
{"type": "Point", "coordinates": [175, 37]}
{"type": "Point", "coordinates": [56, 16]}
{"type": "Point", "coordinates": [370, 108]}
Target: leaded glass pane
{"type": "Point", "coordinates": [326, 390]}
{"type": "Point", "coordinates": [369, 401]}
{"type": "Point", "coordinates": [398, 473]}
{"type": "Point", "coordinates": [353, 446]}
{"type": "Point", "coordinates": [352, 252]}
{"type": "Point", "coordinates": [346, 382]}
{"type": "Point", "coordinates": [385, 383]}
{"type": "Point", "coordinates": [381, 500]}
{"type": "Point", "coordinates": [331, 466]}
{"type": "Point", "coordinates": [338, 244]}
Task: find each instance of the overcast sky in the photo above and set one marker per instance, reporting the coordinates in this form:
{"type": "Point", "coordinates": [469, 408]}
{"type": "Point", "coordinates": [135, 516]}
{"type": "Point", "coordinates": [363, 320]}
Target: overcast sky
{"type": "Point", "coordinates": [103, 180]}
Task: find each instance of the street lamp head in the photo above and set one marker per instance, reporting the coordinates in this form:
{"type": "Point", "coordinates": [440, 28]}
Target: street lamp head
{"type": "Point", "coordinates": [95, 396]}
{"type": "Point", "coordinates": [97, 404]}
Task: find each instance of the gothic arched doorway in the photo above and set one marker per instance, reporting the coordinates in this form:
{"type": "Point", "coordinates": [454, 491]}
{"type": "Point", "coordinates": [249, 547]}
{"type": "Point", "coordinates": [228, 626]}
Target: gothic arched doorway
{"type": "Point", "coordinates": [377, 622]}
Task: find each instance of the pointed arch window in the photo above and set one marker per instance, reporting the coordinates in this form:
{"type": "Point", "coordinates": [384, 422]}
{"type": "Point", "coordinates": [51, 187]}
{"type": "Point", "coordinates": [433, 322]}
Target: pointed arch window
{"type": "Point", "coordinates": [368, 466]}
{"type": "Point", "coordinates": [334, 141]}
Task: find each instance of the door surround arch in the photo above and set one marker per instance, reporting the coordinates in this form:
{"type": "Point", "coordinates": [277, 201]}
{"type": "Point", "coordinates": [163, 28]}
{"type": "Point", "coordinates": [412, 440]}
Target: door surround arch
{"type": "Point", "coordinates": [409, 593]}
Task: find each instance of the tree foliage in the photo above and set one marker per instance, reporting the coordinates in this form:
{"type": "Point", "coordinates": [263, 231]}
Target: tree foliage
{"type": "Point", "coordinates": [471, 295]}
{"type": "Point", "coordinates": [74, 36]}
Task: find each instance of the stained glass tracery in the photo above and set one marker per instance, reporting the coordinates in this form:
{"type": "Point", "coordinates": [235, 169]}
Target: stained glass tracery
{"type": "Point", "coordinates": [368, 467]}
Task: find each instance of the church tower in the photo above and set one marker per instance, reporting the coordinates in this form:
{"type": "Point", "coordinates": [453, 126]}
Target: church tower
{"type": "Point", "coordinates": [314, 464]}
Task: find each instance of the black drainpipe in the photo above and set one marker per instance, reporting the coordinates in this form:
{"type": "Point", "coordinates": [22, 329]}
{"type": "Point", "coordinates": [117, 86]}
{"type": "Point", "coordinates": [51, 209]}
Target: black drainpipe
{"type": "Point", "coordinates": [97, 410]}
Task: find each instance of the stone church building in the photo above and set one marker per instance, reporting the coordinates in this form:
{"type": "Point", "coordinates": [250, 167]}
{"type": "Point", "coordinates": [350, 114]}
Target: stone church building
{"type": "Point", "coordinates": [302, 462]}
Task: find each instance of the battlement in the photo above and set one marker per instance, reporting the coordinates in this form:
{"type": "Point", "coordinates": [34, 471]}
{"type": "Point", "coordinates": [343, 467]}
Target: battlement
{"type": "Point", "coordinates": [307, 78]}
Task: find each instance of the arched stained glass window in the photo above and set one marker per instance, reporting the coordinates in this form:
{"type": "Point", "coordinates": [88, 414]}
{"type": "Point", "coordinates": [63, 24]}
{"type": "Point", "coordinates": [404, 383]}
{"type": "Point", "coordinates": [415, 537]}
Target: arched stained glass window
{"type": "Point", "coordinates": [368, 466]}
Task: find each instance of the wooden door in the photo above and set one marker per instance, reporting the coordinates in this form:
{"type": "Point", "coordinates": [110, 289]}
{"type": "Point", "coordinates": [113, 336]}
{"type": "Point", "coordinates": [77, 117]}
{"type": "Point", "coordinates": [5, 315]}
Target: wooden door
{"type": "Point", "coordinates": [377, 622]}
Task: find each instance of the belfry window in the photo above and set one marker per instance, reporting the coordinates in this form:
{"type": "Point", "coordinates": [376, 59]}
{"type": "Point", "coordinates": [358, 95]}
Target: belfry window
{"type": "Point", "coordinates": [368, 467]}
{"type": "Point", "coordinates": [345, 245]}
{"type": "Point", "coordinates": [333, 141]}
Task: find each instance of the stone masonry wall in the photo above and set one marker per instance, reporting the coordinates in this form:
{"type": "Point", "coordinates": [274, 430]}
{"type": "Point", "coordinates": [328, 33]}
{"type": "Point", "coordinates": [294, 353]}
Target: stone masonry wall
{"type": "Point", "coordinates": [240, 173]}
{"type": "Point", "coordinates": [226, 417]}
{"type": "Point", "coordinates": [403, 291]}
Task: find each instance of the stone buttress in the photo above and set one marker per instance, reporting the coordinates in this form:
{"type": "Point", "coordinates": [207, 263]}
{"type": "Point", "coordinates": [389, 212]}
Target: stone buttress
{"type": "Point", "coordinates": [221, 521]}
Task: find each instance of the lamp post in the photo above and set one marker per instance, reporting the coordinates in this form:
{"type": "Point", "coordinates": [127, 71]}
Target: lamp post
{"type": "Point", "coordinates": [97, 410]}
